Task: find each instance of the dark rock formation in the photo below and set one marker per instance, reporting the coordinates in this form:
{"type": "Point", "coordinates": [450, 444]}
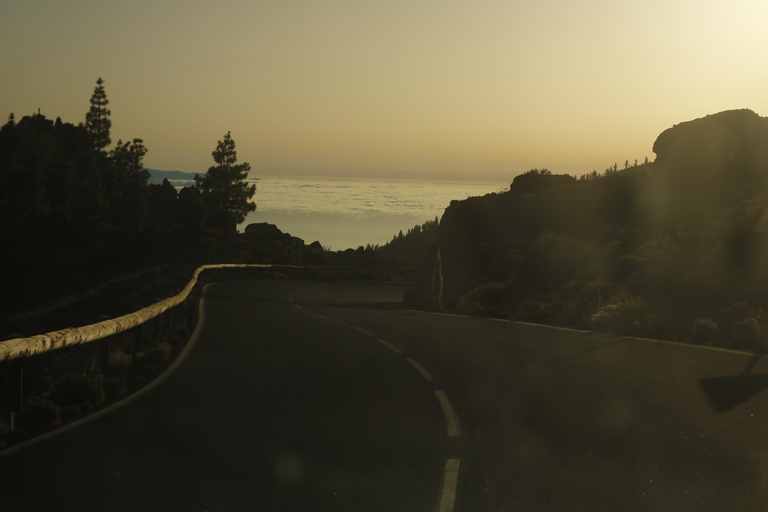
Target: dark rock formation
{"type": "Point", "coordinates": [264, 232]}
{"type": "Point", "coordinates": [705, 162]}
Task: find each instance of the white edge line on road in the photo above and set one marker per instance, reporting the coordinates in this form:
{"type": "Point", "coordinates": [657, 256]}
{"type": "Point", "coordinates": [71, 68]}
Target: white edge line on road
{"type": "Point", "coordinates": [450, 481]}
{"type": "Point", "coordinates": [451, 420]}
{"type": "Point", "coordinates": [424, 373]}
{"type": "Point", "coordinates": [321, 316]}
{"type": "Point", "coordinates": [297, 306]}
{"type": "Point", "coordinates": [390, 347]}
{"type": "Point", "coordinates": [139, 393]}
{"type": "Point", "coordinates": [340, 322]}
{"type": "Point", "coordinates": [648, 340]}
{"type": "Point", "coordinates": [365, 332]}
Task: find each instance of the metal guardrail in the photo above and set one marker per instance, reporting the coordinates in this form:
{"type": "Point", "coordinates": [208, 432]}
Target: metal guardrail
{"type": "Point", "coordinates": [33, 345]}
{"type": "Point", "coordinates": [23, 361]}
{"type": "Point", "coordinates": [41, 343]}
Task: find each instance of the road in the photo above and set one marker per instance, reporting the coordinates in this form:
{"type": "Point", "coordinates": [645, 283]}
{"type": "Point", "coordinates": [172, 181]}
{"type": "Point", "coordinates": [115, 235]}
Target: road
{"type": "Point", "coordinates": [325, 396]}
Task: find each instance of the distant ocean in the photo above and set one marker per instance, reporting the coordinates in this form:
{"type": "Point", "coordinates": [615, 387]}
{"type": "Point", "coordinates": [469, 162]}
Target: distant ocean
{"type": "Point", "coordinates": [345, 212]}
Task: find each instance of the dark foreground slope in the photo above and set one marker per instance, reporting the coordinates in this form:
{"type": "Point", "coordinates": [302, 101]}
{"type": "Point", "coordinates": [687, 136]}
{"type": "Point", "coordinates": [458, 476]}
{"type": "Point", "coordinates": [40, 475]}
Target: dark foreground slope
{"type": "Point", "coordinates": [647, 250]}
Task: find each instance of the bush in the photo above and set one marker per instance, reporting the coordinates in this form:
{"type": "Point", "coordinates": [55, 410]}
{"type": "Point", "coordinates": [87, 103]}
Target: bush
{"type": "Point", "coordinates": [40, 416]}
{"type": "Point", "coordinates": [628, 266]}
{"type": "Point", "coordinates": [178, 334]}
{"type": "Point", "coordinates": [119, 359]}
{"type": "Point", "coordinates": [626, 315]}
{"type": "Point", "coordinates": [483, 300]}
{"type": "Point", "coordinates": [113, 388]}
{"type": "Point", "coordinates": [745, 334]}
{"type": "Point", "coordinates": [76, 389]}
{"type": "Point", "coordinates": [728, 316]}
{"type": "Point", "coordinates": [704, 331]}
{"type": "Point", "coordinates": [535, 311]}
{"type": "Point", "coordinates": [157, 355]}
{"type": "Point", "coordinates": [70, 412]}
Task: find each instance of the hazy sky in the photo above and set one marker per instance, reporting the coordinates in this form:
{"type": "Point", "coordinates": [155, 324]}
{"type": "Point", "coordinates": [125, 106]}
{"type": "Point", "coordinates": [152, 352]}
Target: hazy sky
{"type": "Point", "coordinates": [480, 89]}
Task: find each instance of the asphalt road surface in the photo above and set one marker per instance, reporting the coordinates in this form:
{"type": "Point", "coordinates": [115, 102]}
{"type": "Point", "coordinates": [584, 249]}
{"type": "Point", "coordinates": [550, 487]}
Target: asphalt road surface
{"type": "Point", "coordinates": [296, 396]}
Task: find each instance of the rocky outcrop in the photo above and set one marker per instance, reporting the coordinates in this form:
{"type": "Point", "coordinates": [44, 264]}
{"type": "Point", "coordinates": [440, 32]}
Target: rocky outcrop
{"type": "Point", "coordinates": [265, 232]}
{"type": "Point", "coordinates": [705, 162]}
{"type": "Point", "coordinates": [534, 232]}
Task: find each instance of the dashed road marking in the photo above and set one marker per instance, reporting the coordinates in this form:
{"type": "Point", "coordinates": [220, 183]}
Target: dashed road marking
{"type": "Point", "coordinates": [389, 346]}
{"type": "Point", "coordinates": [450, 481]}
{"type": "Point", "coordinates": [451, 476]}
{"type": "Point", "coordinates": [365, 332]}
{"type": "Point", "coordinates": [451, 419]}
{"type": "Point", "coordinates": [424, 373]}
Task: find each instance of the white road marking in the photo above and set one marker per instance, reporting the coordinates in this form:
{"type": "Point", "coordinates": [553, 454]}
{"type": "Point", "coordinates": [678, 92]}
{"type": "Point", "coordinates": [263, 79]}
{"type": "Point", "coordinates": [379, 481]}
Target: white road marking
{"type": "Point", "coordinates": [342, 323]}
{"type": "Point", "coordinates": [365, 332]}
{"type": "Point", "coordinates": [451, 420]}
{"type": "Point", "coordinates": [390, 347]}
{"type": "Point", "coordinates": [298, 306]}
{"type": "Point", "coordinates": [424, 373]}
{"type": "Point", "coordinates": [448, 496]}
{"type": "Point", "coordinates": [321, 316]}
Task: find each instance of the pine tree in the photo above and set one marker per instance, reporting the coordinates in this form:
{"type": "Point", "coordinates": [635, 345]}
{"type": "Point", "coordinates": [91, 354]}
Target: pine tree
{"type": "Point", "coordinates": [127, 190]}
{"type": "Point", "coordinates": [97, 119]}
{"type": "Point", "coordinates": [223, 188]}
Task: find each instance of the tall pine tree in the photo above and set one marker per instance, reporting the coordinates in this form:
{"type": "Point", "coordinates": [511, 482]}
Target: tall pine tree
{"type": "Point", "coordinates": [223, 188]}
{"type": "Point", "coordinates": [97, 119]}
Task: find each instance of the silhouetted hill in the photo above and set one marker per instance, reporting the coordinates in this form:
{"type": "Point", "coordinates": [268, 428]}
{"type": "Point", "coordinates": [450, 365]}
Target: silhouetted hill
{"type": "Point", "coordinates": [179, 178]}
{"type": "Point", "coordinates": [708, 160]}
{"type": "Point", "coordinates": [646, 250]}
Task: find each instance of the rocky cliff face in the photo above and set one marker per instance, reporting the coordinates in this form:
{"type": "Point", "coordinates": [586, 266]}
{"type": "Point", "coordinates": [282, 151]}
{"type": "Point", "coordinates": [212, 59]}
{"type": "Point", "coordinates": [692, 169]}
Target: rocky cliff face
{"type": "Point", "coordinates": [705, 162]}
{"type": "Point", "coordinates": [549, 228]}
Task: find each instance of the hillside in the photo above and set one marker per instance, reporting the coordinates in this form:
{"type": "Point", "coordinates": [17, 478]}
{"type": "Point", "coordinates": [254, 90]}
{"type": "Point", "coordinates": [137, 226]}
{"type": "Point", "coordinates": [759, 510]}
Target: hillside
{"type": "Point", "coordinates": [650, 250]}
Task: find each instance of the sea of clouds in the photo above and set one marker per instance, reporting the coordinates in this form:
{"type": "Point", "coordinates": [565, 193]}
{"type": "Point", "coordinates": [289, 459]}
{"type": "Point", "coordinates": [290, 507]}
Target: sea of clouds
{"type": "Point", "coordinates": [343, 213]}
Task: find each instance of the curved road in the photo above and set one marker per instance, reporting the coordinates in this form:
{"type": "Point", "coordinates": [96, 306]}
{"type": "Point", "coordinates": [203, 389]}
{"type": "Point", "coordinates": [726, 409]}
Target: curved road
{"type": "Point", "coordinates": [324, 396]}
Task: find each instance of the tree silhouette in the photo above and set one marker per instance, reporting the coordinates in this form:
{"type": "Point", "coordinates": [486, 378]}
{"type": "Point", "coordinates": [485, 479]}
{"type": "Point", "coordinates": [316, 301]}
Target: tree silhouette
{"type": "Point", "coordinates": [127, 185]}
{"type": "Point", "coordinates": [223, 189]}
{"type": "Point", "coordinates": [97, 119]}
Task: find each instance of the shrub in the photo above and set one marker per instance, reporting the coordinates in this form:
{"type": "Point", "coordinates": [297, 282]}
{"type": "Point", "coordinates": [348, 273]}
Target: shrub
{"type": "Point", "coordinates": [40, 416]}
{"type": "Point", "coordinates": [535, 311]}
{"type": "Point", "coordinates": [745, 334]}
{"type": "Point", "coordinates": [157, 355]}
{"type": "Point", "coordinates": [704, 331]}
{"type": "Point", "coordinates": [113, 388]}
{"type": "Point", "coordinates": [119, 359]}
{"type": "Point", "coordinates": [483, 300]}
{"type": "Point", "coordinates": [628, 266]}
{"type": "Point", "coordinates": [178, 334]}
{"type": "Point", "coordinates": [70, 412]}
{"type": "Point", "coordinates": [728, 316]}
{"type": "Point", "coordinates": [76, 389]}
{"type": "Point", "coordinates": [625, 315]}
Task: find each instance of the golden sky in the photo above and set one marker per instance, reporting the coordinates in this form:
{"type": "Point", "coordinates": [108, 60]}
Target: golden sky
{"type": "Point", "coordinates": [478, 89]}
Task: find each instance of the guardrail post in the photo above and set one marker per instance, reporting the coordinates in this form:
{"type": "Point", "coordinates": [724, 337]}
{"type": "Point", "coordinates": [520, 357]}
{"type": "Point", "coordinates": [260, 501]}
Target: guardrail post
{"type": "Point", "coordinates": [191, 313]}
{"type": "Point", "coordinates": [105, 345]}
{"type": "Point", "coordinates": [171, 318]}
{"type": "Point", "coordinates": [12, 396]}
{"type": "Point", "coordinates": [138, 338]}
{"type": "Point", "coordinates": [159, 326]}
